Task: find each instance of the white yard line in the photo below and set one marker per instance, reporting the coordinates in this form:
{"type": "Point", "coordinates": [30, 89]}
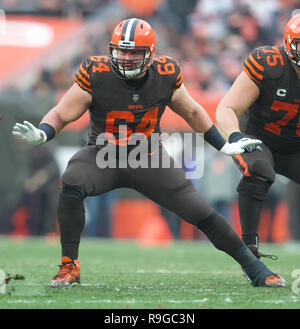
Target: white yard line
{"type": "Point", "coordinates": [109, 301]}
{"type": "Point", "coordinates": [165, 271]}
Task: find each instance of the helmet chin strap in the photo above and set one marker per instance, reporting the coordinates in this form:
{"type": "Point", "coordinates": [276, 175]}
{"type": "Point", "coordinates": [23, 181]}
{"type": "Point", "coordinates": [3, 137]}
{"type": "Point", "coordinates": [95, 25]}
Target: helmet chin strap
{"type": "Point", "coordinates": [136, 72]}
{"type": "Point", "coordinates": [297, 63]}
{"type": "Point", "coordinates": [130, 73]}
{"type": "Point", "coordinates": [295, 60]}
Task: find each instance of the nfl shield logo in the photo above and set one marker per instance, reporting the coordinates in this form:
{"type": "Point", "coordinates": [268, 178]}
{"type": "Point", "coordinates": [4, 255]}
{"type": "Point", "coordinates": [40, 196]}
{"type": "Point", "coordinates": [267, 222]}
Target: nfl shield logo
{"type": "Point", "coordinates": [135, 97]}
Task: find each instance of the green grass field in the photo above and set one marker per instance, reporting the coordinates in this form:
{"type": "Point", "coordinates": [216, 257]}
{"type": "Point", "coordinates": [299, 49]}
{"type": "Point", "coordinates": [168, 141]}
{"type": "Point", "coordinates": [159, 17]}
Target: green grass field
{"type": "Point", "coordinates": [122, 275]}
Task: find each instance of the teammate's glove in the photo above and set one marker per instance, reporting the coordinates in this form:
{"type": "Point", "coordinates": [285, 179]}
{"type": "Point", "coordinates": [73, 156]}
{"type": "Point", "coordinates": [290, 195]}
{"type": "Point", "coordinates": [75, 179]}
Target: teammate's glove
{"type": "Point", "coordinates": [238, 143]}
{"type": "Point", "coordinates": [29, 133]}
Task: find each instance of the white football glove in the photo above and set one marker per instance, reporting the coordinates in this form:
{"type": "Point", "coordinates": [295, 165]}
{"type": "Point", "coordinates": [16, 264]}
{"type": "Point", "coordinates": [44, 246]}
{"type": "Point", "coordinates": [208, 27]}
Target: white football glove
{"type": "Point", "coordinates": [29, 133]}
{"type": "Point", "coordinates": [243, 145]}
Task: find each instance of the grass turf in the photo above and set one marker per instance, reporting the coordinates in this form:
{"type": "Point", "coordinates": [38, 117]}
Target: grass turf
{"type": "Point", "coordinates": [122, 275]}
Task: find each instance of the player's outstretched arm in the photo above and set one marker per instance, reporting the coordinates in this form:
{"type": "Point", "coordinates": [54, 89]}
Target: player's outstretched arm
{"type": "Point", "coordinates": [240, 96]}
{"type": "Point", "coordinates": [70, 108]}
{"type": "Point", "coordinates": [198, 119]}
{"type": "Point", "coordinates": [191, 111]}
{"type": "Point", "coordinates": [236, 101]}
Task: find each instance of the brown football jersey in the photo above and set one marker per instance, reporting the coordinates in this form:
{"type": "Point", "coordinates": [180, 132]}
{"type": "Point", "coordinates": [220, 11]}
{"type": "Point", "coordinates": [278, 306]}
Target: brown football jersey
{"type": "Point", "coordinates": [274, 116]}
{"type": "Point", "coordinates": [137, 104]}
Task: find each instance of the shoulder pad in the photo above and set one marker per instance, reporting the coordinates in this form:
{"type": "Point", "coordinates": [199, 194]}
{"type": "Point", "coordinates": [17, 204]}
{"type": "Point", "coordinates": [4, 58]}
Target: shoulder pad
{"type": "Point", "coordinates": [87, 70]}
{"type": "Point", "coordinates": [99, 64]}
{"type": "Point", "coordinates": [169, 67]}
{"type": "Point", "coordinates": [83, 76]}
{"type": "Point", "coordinates": [265, 63]}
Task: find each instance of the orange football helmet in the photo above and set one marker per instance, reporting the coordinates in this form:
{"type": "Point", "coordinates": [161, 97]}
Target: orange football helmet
{"type": "Point", "coordinates": [291, 38]}
{"type": "Point", "coordinates": [132, 35]}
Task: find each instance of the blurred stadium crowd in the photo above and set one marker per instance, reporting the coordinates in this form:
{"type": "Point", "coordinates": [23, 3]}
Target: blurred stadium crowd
{"type": "Point", "coordinates": [63, 8]}
{"type": "Point", "coordinates": [210, 39]}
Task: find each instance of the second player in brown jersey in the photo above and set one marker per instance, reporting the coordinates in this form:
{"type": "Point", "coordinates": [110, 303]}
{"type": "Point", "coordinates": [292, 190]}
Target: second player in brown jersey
{"type": "Point", "coordinates": [274, 115]}
{"type": "Point", "coordinates": [264, 102]}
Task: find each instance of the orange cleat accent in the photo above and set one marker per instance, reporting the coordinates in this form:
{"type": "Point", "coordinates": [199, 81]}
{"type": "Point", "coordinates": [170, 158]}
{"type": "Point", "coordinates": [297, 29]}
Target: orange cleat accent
{"type": "Point", "coordinates": [68, 274]}
{"type": "Point", "coordinates": [274, 280]}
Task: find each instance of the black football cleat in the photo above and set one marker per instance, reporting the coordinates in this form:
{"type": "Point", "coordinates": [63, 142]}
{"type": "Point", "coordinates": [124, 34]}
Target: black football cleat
{"type": "Point", "coordinates": [272, 280]}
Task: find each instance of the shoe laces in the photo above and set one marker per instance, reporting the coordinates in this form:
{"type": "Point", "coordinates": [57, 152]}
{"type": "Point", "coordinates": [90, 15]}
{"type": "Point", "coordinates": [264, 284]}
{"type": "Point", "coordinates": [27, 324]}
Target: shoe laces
{"type": "Point", "coordinates": [258, 254]}
{"type": "Point", "coordinates": [274, 257]}
{"type": "Point", "coordinates": [65, 268]}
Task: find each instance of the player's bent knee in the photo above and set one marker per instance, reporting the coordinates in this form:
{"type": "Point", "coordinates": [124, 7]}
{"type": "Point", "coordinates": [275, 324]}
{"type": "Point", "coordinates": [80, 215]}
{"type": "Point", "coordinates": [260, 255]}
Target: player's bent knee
{"type": "Point", "coordinates": [254, 187]}
{"type": "Point", "coordinates": [205, 222]}
{"type": "Point", "coordinates": [263, 170]}
{"type": "Point", "coordinates": [74, 191]}
{"type": "Point", "coordinates": [75, 174]}
{"type": "Point", "coordinates": [73, 181]}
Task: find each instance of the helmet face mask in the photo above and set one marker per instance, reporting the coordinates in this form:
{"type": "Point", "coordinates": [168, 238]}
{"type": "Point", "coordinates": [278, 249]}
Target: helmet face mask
{"type": "Point", "coordinates": [132, 48]}
{"type": "Point", "coordinates": [293, 53]}
{"type": "Point", "coordinates": [132, 65]}
{"type": "Point", "coordinates": [292, 39]}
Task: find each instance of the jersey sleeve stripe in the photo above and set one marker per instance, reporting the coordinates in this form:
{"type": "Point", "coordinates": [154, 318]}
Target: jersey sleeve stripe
{"type": "Point", "coordinates": [82, 85]}
{"type": "Point", "coordinates": [179, 76]}
{"type": "Point", "coordinates": [84, 71]}
{"type": "Point", "coordinates": [249, 66]}
{"type": "Point", "coordinates": [82, 79]}
{"type": "Point", "coordinates": [250, 76]}
{"type": "Point", "coordinates": [180, 81]}
{"type": "Point", "coordinates": [258, 66]}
